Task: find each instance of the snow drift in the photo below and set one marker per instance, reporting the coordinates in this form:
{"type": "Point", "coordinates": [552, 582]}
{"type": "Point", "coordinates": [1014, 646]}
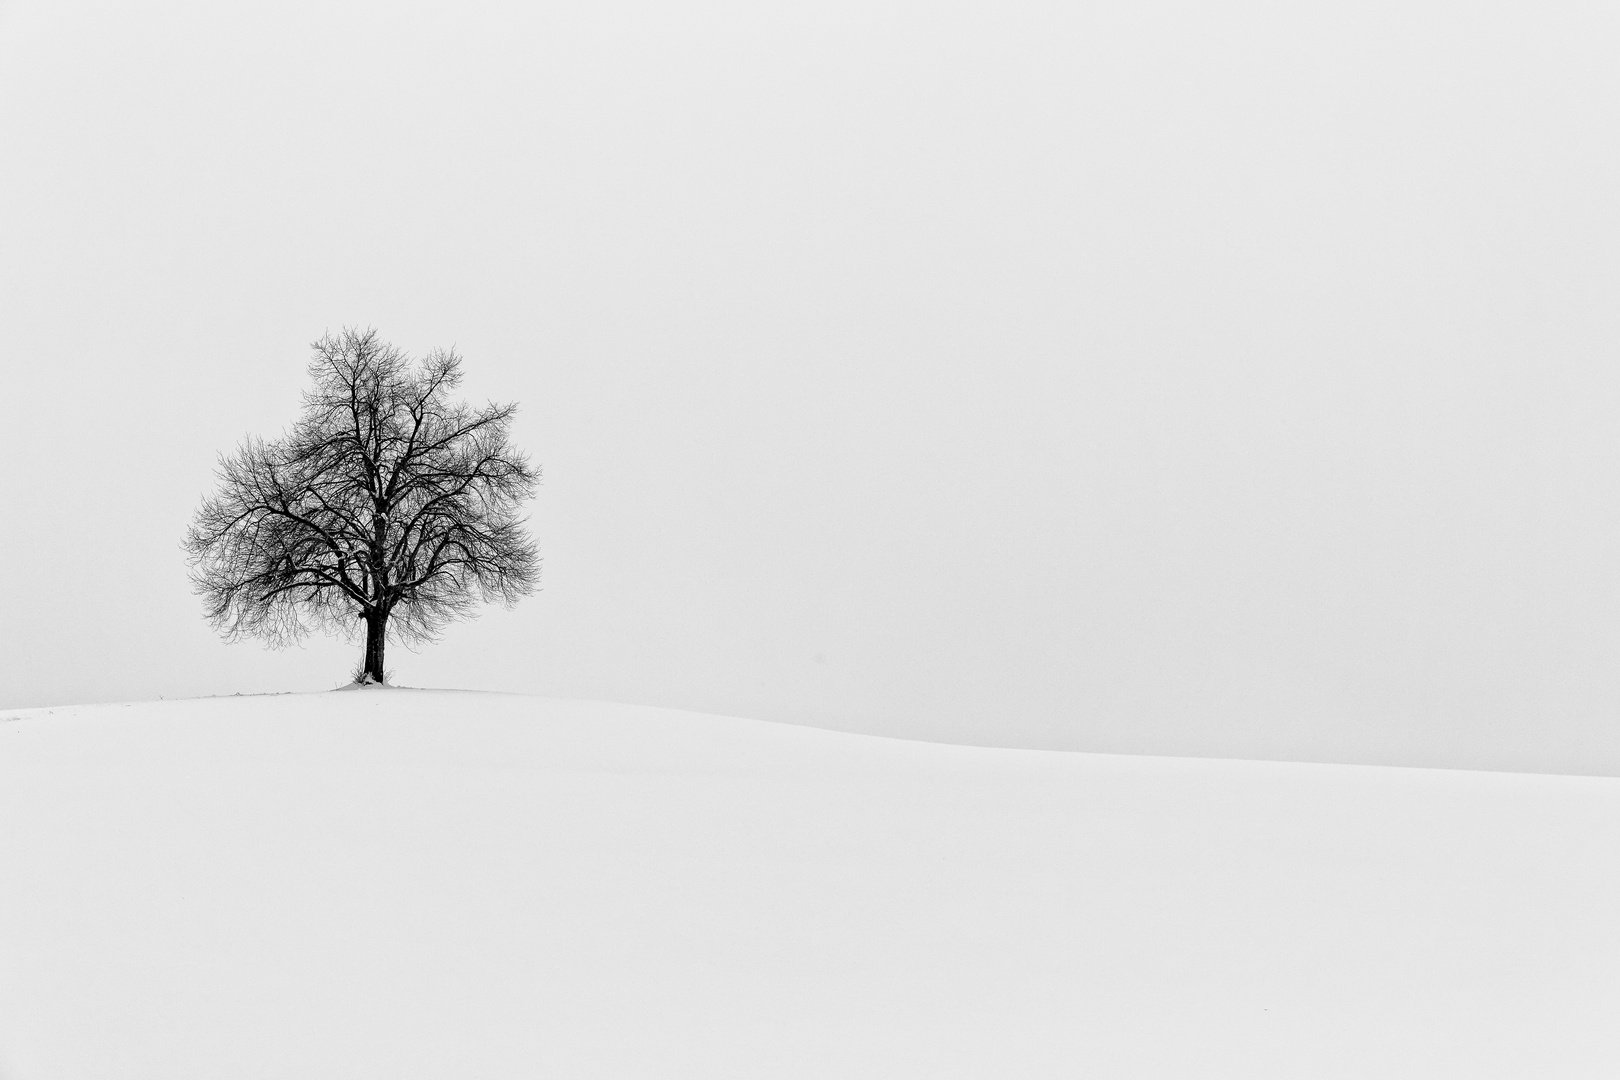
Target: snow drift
{"type": "Point", "coordinates": [430, 884]}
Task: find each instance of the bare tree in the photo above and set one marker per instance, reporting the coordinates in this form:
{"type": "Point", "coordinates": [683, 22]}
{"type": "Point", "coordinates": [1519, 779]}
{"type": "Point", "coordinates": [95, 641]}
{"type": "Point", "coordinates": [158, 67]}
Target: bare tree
{"type": "Point", "coordinates": [385, 503]}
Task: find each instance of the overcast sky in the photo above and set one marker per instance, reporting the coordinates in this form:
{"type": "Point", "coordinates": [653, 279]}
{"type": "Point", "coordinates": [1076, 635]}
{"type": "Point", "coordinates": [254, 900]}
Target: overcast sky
{"type": "Point", "coordinates": [1195, 378]}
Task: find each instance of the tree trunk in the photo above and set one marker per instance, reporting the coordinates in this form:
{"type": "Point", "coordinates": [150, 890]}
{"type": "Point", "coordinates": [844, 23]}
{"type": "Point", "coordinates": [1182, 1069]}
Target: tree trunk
{"type": "Point", "coordinates": [376, 625]}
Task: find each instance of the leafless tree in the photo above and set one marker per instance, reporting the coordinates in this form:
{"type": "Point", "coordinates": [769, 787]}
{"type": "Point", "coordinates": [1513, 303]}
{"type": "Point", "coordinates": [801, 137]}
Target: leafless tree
{"type": "Point", "coordinates": [385, 503]}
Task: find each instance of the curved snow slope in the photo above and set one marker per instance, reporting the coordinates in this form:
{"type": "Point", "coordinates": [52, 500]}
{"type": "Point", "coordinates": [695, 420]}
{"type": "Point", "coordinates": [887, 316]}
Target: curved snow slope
{"type": "Point", "coordinates": [436, 884]}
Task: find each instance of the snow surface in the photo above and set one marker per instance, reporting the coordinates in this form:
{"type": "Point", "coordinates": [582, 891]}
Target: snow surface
{"type": "Point", "coordinates": [410, 884]}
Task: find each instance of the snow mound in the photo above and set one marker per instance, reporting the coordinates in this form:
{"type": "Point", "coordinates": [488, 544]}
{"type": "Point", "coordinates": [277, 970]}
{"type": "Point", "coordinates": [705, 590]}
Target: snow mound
{"type": "Point", "coordinates": [432, 884]}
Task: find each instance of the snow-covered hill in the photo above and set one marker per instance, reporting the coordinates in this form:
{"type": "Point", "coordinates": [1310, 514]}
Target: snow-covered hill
{"type": "Point", "coordinates": [421, 884]}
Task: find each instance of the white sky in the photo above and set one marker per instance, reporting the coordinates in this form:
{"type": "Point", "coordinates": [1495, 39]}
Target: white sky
{"type": "Point", "coordinates": [1180, 378]}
